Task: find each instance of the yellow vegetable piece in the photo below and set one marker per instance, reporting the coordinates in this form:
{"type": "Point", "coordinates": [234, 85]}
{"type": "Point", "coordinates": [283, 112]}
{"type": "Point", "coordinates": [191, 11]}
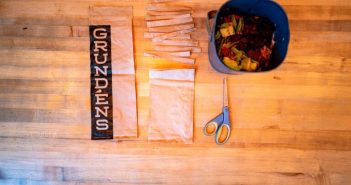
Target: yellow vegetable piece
{"type": "Point", "coordinates": [240, 26]}
{"type": "Point", "coordinates": [246, 64]}
{"type": "Point", "coordinates": [236, 51]}
{"type": "Point", "coordinates": [232, 64]}
{"type": "Point", "coordinates": [227, 31]}
{"type": "Point", "coordinates": [254, 66]}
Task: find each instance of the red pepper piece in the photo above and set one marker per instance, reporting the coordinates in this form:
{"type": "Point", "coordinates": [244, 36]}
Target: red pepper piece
{"type": "Point", "coordinates": [254, 54]}
{"type": "Point", "coordinates": [227, 19]}
{"type": "Point", "coordinates": [225, 52]}
{"type": "Point", "coordinates": [266, 52]}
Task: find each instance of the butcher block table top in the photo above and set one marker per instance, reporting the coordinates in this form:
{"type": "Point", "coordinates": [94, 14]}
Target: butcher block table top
{"type": "Point", "coordinates": [289, 126]}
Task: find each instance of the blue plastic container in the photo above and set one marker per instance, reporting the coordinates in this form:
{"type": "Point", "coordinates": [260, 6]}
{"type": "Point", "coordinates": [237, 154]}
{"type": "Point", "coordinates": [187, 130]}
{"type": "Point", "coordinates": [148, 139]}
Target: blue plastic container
{"type": "Point", "coordinates": [263, 8]}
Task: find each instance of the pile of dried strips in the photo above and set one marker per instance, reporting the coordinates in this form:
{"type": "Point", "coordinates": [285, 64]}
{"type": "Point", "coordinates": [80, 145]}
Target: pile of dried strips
{"type": "Point", "coordinates": [169, 26]}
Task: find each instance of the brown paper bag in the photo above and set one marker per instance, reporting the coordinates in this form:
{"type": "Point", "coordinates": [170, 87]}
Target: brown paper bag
{"type": "Point", "coordinates": [123, 73]}
{"type": "Point", "coordinates": [172, 105]}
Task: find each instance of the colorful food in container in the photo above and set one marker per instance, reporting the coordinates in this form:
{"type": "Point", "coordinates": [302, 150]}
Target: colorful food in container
{"type": "Point", "coordinates": [244, 43]}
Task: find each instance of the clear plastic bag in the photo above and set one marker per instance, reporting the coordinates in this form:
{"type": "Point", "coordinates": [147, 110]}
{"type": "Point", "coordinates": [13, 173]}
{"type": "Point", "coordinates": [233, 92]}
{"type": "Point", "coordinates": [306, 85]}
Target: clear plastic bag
{"type": "Point", "coordinates": [172, 105]}
{"type": "Point", "coordinates": [123, 72]}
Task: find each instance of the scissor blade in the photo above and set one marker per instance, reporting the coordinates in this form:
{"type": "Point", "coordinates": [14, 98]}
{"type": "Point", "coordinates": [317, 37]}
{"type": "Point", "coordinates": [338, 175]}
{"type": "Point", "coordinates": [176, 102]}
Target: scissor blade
{"type": "Point", "coordinates": [225, 93]}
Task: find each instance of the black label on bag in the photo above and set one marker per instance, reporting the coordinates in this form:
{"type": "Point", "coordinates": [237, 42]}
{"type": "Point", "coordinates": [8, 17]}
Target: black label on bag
{"type": "Point", "coordinates": [101, 82]}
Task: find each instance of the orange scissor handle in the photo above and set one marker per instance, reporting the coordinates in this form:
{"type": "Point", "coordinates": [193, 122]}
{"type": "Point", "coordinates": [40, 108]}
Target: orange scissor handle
{"type": "Point", "coordinates": [210, 128]}
{"type": "Point", "coordinates": [219, 126]}
{"type": "Point", "coordinates": [222, 134]}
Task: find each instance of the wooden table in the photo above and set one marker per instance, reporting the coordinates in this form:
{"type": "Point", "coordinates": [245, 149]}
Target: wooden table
{"type": "Point", "coordinates": [290, 126]}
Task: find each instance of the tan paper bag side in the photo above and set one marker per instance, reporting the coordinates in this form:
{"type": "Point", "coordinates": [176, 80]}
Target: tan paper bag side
{"type": "Point", "coordinates": [123, 72]}
{"type": "Point", "coordinates": [124, 106]}
{"type": "Point", "coordinates": [172, 105]}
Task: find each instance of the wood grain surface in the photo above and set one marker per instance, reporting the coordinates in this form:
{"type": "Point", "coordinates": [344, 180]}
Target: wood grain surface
{"type": "Point", "coordinates": [289, 126]}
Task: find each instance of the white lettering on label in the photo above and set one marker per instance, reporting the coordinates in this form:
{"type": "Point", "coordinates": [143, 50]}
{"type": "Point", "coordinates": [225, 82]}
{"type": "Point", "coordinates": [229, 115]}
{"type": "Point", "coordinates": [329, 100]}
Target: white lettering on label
{"type": "Point", "coordinates": [98, 85]}
{"type": "Point", "coordinates": [97, 60]}
{"type": "Point", "coordinates": [102, 34]}
{"type": "Point", "coordinates": [101, 99]}
{"type": "Point", "coordinates": [99, 71]}
{"type": "Point", "coordinates": [100, 45]}
{"type": "Point", "coordinates": [103, 112]}
{"type": "Point", "coordinates": [101, 124]}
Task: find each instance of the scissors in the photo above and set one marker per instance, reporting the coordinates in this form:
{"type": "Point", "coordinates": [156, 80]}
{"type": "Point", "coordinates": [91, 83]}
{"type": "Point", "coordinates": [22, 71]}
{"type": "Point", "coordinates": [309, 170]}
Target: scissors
{"type": "Point", "coordinates": [220, 125]}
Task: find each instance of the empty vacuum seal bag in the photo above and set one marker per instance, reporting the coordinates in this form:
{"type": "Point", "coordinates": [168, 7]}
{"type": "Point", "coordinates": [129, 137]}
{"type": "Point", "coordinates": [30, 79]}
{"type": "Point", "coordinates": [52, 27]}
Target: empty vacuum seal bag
{"type": "Point", "coordinates": [119, 22]}
{"type": "Point", "coordinates": [172, 105]}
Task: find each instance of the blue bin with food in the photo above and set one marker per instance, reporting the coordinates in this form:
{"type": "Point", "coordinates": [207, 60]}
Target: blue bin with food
{"type": "Point", "coordinates": [248, 36]}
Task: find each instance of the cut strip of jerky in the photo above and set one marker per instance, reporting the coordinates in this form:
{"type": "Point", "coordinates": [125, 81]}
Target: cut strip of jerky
{"type": "Point", "coordinates": [181, 37]}
{"type": "Point", "coordinates": [172, 34]}
{"type": "Point", "coordinates": [169, 22]}
{"type": "Point", "coordinates": [166, 8]}
{"type": "Point", "coordinates": [163, 1]}
{"type": "Point", "coordinates": [167, 29]}
{"type": "Point", "coordinates": [155, 13]}
{"type": "Point", "coordinates": [178, 42]}
{"type": "Point", "coordinates": [163, 17]}
{"type": "Point", "coordinates": [175, 59]}
{"type": "Point", "coordinates": [177, 48]}
{"type": "Point", "coordinates": [149, 35]}
{"type": "Point", "coordinates": [176, 54]}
